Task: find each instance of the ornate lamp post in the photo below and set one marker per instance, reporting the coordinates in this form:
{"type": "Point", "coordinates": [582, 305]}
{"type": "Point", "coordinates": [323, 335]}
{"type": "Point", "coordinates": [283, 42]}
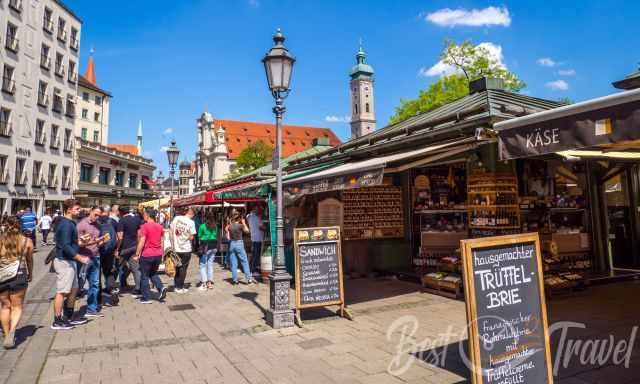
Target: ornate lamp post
{"type": "Point", "coordinates": [158, 187]}
{"type": "Point", "coordinates": [278, 64]}
{"type": "Point", "coordinates": [172, 155]}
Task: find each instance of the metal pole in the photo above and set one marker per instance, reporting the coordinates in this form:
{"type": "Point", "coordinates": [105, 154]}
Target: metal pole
{"type": "Point", "coordinates": [171, 192]}
{"type": "Point", "coordinates": [280, 314]}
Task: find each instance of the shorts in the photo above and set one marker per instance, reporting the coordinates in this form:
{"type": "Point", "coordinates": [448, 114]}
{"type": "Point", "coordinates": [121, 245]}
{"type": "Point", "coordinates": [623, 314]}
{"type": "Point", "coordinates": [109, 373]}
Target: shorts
{"type": "Point", "coordinates": [67, 276]}
{"type": "Point", "coordinates": [13, 287]}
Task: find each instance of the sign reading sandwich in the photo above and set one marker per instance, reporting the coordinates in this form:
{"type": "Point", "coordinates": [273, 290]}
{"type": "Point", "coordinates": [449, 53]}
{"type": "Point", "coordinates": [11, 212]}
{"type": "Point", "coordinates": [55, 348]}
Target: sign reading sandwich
{"type": "Point", "coordinates": [506, 310]}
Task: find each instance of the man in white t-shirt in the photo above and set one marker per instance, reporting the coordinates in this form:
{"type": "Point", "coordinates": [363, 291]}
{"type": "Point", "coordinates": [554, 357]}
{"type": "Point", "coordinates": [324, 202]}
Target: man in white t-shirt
{"type": "Point", "coordinates": [182, 231]}
{"type": "Point", "coordinates": [256, 227]}
{"type": "Point", "coordinates": [45, 226]}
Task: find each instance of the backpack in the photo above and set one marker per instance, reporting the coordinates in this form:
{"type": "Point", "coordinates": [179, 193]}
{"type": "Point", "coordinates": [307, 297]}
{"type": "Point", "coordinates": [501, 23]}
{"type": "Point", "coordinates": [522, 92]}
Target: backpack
{"type": "Point", "coordinates": [105, 227]}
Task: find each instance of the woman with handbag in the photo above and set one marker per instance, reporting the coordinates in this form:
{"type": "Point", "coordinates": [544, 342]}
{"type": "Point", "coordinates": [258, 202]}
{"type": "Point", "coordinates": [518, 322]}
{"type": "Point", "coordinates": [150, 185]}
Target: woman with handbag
{"type": "Point", "coordinates": [208, 236]}
{"type": "Point", "coordinates": [16, 267]}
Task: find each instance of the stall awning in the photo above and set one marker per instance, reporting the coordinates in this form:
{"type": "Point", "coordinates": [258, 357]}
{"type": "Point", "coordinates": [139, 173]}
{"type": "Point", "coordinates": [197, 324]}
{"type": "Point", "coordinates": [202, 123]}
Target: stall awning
{"type": "Point", "coordinates": [148, 181]}
{"type": "Point", "coordinates": [598, 123]}
{"type": "Point", "coordinates": [215, 195]}
{"type": "Point", "coordinates": [370, 172]}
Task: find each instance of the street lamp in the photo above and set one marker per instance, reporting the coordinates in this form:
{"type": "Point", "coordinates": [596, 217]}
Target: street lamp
{"type": "Point", "coordinates": [158, 186]}
{"type": "Point", "coordinates": [43, 189]}
{"type": "Point", "coordinates": [172, 155]}
{"type": "Point", "coordinates": [278, 64]}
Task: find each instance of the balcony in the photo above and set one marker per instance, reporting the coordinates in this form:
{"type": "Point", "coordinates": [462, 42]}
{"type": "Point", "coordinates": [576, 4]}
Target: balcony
{"type": "Point", "coordinates": [16, 5]}
{"type": "Point", "coordinates": [45, 62]}
{"type": "Point", "coordinates": [8, 85]}
{"type": "Point", "coordinates": [6, 128]}
{"type": "Point", "coordinates": [75, 43]}
{"type": "Point", "coordinates": [12, 43]}
{"type": "Point", "coordinates": [62, 35]}
{"type": "Point", "coordinates": [59, 70]}
{"type": "Point", "coordinates": [57, 104]}
{"type": "Point", "coordinates": [47, 25]}
{"type": "Point", "coordinates": [43, 99]}
{"type": "Point", "coordinates": [73, 77]}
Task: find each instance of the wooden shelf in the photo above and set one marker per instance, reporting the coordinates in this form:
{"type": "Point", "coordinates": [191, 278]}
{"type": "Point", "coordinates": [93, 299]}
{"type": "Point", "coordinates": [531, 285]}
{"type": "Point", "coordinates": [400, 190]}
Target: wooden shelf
{"type": "Point", "coordinates": [491, 192]}
{"type": "Point", "coordinates": [494, 226]}
{"type": "Point", "coordinates": [492, 206]}
{"type": "Point", "coordinates": [439, 211]}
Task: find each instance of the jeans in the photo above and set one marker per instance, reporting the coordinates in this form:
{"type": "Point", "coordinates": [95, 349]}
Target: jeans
{"type": "Point", "coordinates": [93, 277]}
{"type": "Point", "coordinates": [206, 265]}
{"type": "Point", "coordinates": [149, 270]}
{"type": "Point", "coordinates": [45, 234]}
{"type": "Point", "coordinates": [181, 272]}
{"type": "Point", "coordinates": [129, 265]}
{"type": "Point", "coordinates": [236, 251]}
{"type": "Point", "coordinates": [108, 270]}
{"type": "Point", "coordinates": [256, 253]}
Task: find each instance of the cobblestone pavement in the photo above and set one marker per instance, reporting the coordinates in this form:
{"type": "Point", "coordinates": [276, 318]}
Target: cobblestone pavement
{"type": "Point", "coordinates": [220, 336]}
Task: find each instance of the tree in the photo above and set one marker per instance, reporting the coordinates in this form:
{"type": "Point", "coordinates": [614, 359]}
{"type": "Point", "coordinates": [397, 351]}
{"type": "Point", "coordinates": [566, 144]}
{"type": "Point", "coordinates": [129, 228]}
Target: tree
{"type": "Point", "coordinates": [254, 156]}
{"type": "Point", "coordinates": [470, 63]}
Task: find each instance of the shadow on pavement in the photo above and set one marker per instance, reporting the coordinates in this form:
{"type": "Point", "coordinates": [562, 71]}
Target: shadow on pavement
{"type": "Point", "coordinates": [252, 297]}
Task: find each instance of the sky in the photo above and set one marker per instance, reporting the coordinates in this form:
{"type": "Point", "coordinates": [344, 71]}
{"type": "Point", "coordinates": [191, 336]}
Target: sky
{"type": "Point", "coordinates": [166, 61]}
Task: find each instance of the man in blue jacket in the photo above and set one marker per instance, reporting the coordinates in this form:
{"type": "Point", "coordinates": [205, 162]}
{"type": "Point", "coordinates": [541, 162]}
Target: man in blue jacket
{"type": "Point", "coordinates": [29, 221]}
{"type": "Point", "coordinates": [65, 266]}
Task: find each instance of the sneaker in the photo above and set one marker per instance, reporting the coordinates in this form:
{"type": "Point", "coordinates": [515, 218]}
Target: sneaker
{"type": "Point", "coordinates": [199, 284]}
{"type": "Point", "coordinates": [61, 324]}
{"type": "Point", "coordinates": [10, 340]}
{"type": "Point", "coordinates": [202, 287]}
{"type": "Point", "coordinates": [181, 290]}
{"type": "Point", "coordinates": [136, 294]}
{"type": "Point", "coordinates": [163, 294]}
{"type": "Point", "coordinates": [234, 282]}
{"type": "Point", "coordinates": [93, 314]}
{"type": "Point", "coordinates": [251, 281]}
{"type": "Point", "coordinates": [210, 284]}
{"type": "Point", "coordinates": [115, 299]}
{"type": "Point", "coordinates": [78, 321]}
{"type": "Point", "coordinates": [116, 291]}
{"type": "Point", "coordinates": [143, 301]}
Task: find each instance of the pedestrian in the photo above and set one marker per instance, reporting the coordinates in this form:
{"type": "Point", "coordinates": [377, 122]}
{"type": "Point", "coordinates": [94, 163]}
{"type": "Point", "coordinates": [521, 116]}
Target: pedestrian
{"type": "Point", "coordinates": [28, 222]}
{"type": "Point", "coordinates": [5, 217]}
{"type": "Point", "coordinates": [115, 213]}
{"type": "Point", "coordinates": [197, 221]}
{"type": "Point", "coordinates": [64, 263]}
{"type": "Point", "coordinates": [182, 232]}
{"type": "Point", "coordinates": [208, 235]}
{"type": "Point", "coordinates": [14, 248]}
{"type": "Point", "coordinates": [235, 230]}
{"type": "Point", "coordinates": [149, 255]}
{"type": "Point", "coordinates": [108, 227]}
{"type": "Point", "coordinates": [90, 241]}
{"type": "Point", "coordinates": [128, 227]}
{"type": "Point", "coordinates": [45, 226]}
{"type": "Point", "coordinates": [256, 227]}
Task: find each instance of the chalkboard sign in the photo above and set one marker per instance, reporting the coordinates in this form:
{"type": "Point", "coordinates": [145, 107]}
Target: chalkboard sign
{"type": "Point", "coordinates": [506, 310]}
{"type": "Point", "coordinates": [318, 267]}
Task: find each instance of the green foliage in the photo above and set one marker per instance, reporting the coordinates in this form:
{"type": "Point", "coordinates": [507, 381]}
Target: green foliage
{"type": "Point", "coordinates": [251, 158]}
{"type": "Point", "coordinates": [473, 62]}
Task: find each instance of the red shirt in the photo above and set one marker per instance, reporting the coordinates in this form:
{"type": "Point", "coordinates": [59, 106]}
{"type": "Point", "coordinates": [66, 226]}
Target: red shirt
{"type": "Point", "coordinates": [152, 233]}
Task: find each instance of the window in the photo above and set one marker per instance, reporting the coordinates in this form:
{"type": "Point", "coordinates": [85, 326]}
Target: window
{"type": "Point", "coordinates": [55, 140]}
{"type": "Point", "coordinates": [11, 41]}
{"type": "Point", "coordinates": [5, 122]}
{"type": "Point", "coordinates": [59, 64]}
{"type": "Point", "coordinates": [3, 169]}
{"type": "Point", "coordinates": [98, 100]}
{"type": "Point", "coordinates": [355, 106]}
{"type": "Point", "coordinates": [120, 178]}
{"type": "Point", "coordinates": [39, 132]}
{"type": "Point", "coordinates": [62, 33]}
{"type": "Point", "coordinates": [75, 42]}
{"type": "Point", "coordinates": [85, 96]}
{"type": "Point", "coordinates": [47, 22]}
{"type": "Point", "coordinates": [21, 178]}
{"type": "Point", "coordinates": [65, 178]}
{"type": "Point", "coordinates": [85, 113]}
{"type": "Point", "coordinates": [86, 172]}
{"type": "Point", "coordinates": [103, 178]}
{"type": "Point", "coordinates": [67, 140]}
{"type": "Point", "coordinates": [57, 100]}
{"type": "Point", "coordinates": [83, 133]}
{"type": "Point", "coordinates": [43, 99]}
{"type": "Point", "coordinates": [71, 106]}
{"type": "Point", "coordinates": [52, 180]}
{"type": "Point", "coordinates": [8, 84]}
{"type": "Point", "coordinates": [35, 177]}
{"type": "Point", "coordinates": [367, 107]}
{"type": "Point", "coordinates": [45, 60]}
{"type": "Point", "coordinates": [96, 117]}
{"type": "Point", "coordinates": [133, 180]}
{"type": "Point", "coordinates": [73, 76]}
{"type": "Point", "coordinates": [96, 136]}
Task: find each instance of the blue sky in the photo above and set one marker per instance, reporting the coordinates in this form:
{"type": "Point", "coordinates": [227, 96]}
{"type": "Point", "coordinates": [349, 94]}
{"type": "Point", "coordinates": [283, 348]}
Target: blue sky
{"type": "Point", "coordinates": [165, 60]}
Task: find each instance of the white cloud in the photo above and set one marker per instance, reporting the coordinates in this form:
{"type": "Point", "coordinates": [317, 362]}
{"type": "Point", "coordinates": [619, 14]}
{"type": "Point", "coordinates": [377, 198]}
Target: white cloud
{"type": "Point", "coordinates": [567, 72]}
{"type": "Point", "coordinates": [546, 62]}
{"type": "Point", "coordinates": [442, 69]}
{"type": "Point", "coordinates": [557, 85]}
{"type": "Point", "coordinates": [448, 17]}
{"type": "Point", "coordinates": [337, 119]}
{"type": "Point", "coordinates": [167, 131]}
{"type": "Point", "coordinates": [164, 148]}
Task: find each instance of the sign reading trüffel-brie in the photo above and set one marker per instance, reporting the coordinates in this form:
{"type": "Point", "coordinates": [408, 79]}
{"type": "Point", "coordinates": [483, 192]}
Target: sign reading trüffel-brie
{"type": "Point", "coordinates": [506, 310]}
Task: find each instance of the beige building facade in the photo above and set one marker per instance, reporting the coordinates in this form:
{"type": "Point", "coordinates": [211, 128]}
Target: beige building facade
{"type": "Point", "coordinates": [92, 122]}
{"type": "Point", "coordinates": [40, 52]}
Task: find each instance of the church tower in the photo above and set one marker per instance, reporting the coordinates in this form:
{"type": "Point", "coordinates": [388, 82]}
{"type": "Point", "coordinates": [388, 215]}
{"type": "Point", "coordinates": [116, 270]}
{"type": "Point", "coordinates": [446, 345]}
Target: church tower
{"type": "Point", "coordinates": [363, 116]}
{"type": "Point", "coordinates": [139, 141]}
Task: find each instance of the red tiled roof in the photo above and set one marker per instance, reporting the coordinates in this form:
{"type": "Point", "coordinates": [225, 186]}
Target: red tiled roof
{"type": "Point", "coordinates": [129, 148]}
{"type": "Point", "coordinates": [295, 138]}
